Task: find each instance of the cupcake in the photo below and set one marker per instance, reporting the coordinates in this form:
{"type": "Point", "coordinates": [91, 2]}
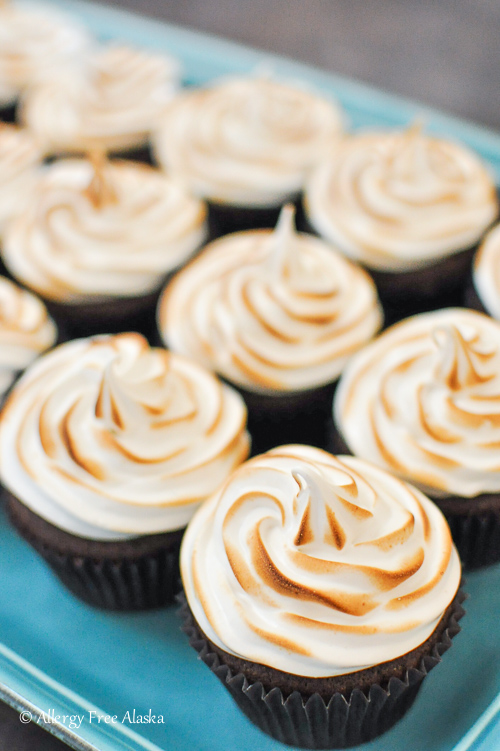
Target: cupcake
{"type": "Point", "coordinates": [107, 447]}
{"type": "Point", "coordinates": [410, 207]}
{"type": "Point", "coordinates": [423, 401]}
{"type": "Point", "coordinates": [483, 292]}
{"type": "Point", "coordinates": [35, 42]}
{"type": "Point", "coordinates": [99, 238]}
{"type": "Point", "coordinates": [25, 332]}
{"type": "Point", "coordinates": [111, 101]}
{"type": "Point", "coordinates": [20, 156]}
{"type": "Point", "coordinates": [320, 590]}
{"type": "Point", "coordinates": [277, 314]}
{"type": "Point", "coordinates": [246, 145]}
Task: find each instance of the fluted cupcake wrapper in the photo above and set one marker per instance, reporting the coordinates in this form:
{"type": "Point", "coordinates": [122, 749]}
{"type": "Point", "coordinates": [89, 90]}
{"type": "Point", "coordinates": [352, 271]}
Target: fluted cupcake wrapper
{"type": "Point", "coordinates": [472, 299]}
{"type": "Point", "coordinates": [295, 417]}
{"type": "Point", "coordinates": [108, 316]}
{"type": "Point", "coordinates": [135, 580]}
{"type": "Point", "coordinates": [8, 112]}
{"type": "Point", "coordinates": [143, 584]}
{"type": "Point", "coordinates": [310, 721]}
{"type": "Point", "coordinates": [476, 537]}
{"type": "Point", "coordinates": [141, 152]}
{"type": "Point", "coordinates": [225, 219]}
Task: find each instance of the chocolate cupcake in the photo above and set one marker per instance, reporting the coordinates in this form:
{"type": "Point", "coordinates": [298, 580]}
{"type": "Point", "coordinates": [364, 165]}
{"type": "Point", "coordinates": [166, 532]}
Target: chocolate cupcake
{"type": "Point", "coordinates": [278, 315]}
{"type": "Point", "coordinates": [246, 145]}
{"type": "Point", "coordinates": [320, 590]}
{"type": "Point", "coordinates": [410, 207]}
{"type": "Point", "coordinates": [26, 331]}
{"type": "Point", "coordinates": [483, 292]}
{"type": "Point", "coordinates": [35, 42]}
{"type": "Point", "coordinates": [99, 238]}
{"type": "Point", "coordinates": [107, 447]}
{"type": "Point", "coordinates": [423, 401]}
{"type": "Point", "coordinates": [111, 101]}
{"type": "Point", "coordinates": [20, 156]}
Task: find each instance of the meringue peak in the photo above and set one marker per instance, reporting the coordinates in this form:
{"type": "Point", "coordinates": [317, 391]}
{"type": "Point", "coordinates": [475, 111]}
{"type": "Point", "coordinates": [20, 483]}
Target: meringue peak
{"type": "Point", "coordinates": [100, 191]}
{"type": "Point", "coordinates": [322, 503]}
{"type": "Point", "coordinates": [460, 362]}
{"type": "Point", "coordinates": [410, 158]}
{"type": "Point", "coordinates": [282, 240]}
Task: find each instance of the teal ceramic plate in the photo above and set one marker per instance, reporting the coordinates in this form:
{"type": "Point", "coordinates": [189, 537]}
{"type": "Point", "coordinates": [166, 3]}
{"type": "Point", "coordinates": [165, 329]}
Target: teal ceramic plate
{"type": "Point", "coordinates": [60, 660]}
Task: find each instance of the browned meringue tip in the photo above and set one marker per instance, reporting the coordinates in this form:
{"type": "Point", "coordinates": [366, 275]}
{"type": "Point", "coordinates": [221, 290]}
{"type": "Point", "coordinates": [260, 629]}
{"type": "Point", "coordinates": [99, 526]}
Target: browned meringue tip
{"type": "Point", "coordinates": [416, 126]}
{"type": "Point", "coordinates": [100, 191]}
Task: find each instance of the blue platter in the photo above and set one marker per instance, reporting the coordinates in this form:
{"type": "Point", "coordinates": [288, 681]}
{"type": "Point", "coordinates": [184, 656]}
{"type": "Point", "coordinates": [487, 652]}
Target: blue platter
{"type": "Point", "coordinates": [61, 659]}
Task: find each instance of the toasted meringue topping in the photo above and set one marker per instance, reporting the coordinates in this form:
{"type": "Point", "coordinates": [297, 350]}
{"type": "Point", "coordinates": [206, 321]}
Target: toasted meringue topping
{"type": "Point", "coordinates": [101, 191]}
{"type": "Point", "coordinates": [486, 273]}
{"type": "Point", "coordinates": [20, 155]}
{"type": "Point", "coordinates": [25, 331]}
{"type": "Point", "coordinates": [400, 201]}
{"type": "Point", "coordinates": [317, 565]}
{"type": "Point", "coordinates": [113, 101]}
{"type": "Point", "coordinates": [108, 438]}
{"type": "Point", "coordinates": [35, 42]}
{"type": "Point", "coordinates": [423, 400]}
{"type": "Point", "coordinates": [111, 229]}
{"type": "Point", "coordinates": [271, 311]}
{"type": "Point", "coordinates": [247, 141]}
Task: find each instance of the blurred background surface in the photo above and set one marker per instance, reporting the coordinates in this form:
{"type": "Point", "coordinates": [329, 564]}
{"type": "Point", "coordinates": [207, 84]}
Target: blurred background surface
{"type": "Point", "coordinates": [445, 53]}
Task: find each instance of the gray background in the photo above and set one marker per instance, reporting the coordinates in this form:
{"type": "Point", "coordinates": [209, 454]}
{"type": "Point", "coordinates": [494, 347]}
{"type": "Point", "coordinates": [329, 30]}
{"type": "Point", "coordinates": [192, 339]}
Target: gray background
{"type": "Point", "coordinates": [441, 52]}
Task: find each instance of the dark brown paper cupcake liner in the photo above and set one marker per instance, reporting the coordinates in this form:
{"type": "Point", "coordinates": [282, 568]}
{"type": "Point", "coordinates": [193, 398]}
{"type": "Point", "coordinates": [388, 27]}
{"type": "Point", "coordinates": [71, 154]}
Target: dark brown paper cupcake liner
{"type": "Point", "coordinates": [335, 442]}
{"type": "Point", "coordinates": [147, 583]}
{"type": "Point", "coordinates": [137, 574]}
{"type": "Point", "coordinates": [472, 299]}
{"type": "Point", "coordinates": [296, 417]}
{"type": "Point", "coordinates": [311, 721]}
{"type": "Point", "coordinates": [474, 522]}
{"type": "Point", "coordinates": [4, 271]}
{"type": "Point", "coordinates": [224, 219]}
{"type": "Point", "coordinates": [142, 152]}
{"type": "Point", "coordinates": [439, 284]}
{"type": "Point", "coordinates": [475, 528]}
{"type": "Point", "coordinates": [111, 316]}
{"type": "Point", "coordinates": [8, 113]}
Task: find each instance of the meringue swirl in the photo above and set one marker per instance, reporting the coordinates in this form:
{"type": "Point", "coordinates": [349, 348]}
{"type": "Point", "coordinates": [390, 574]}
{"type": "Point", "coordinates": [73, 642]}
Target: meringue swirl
{"type": "Point", "coordinates": [318, 565]}
{"type": "Point", "coordinates": [271, 311]}
{"type": "Point", "coordinates": [20, 156]}
{"type": "Point", "coordinates": [25, 331]}
{"type": "Point", "coordinates": [100, 231]}
{"type": "Point", "coordinates": [423, 401]}
{"type": "Point", "coordinates": [108, 438]}
{"type": "Point", "coordinates": [486, 272]}
{"type": "Point", "coordinates": [35, 42]}
{"type": "Point", "coordinates": [400, 201]}
{"type": "Point", "coordinates": [247, 141]}
{"type": "Point", "coordinates": [113, 101]}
